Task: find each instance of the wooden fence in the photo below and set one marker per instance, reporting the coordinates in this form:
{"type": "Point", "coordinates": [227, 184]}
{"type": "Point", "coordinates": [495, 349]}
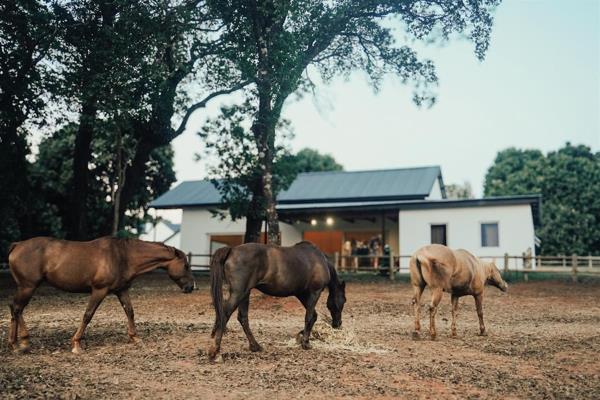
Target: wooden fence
{"type": "Point", "coordinates": [574, 265]}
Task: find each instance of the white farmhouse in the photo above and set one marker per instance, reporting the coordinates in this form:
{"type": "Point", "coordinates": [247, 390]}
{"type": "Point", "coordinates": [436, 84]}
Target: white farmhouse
{"type": "Point", "coordinates": [407, 207]}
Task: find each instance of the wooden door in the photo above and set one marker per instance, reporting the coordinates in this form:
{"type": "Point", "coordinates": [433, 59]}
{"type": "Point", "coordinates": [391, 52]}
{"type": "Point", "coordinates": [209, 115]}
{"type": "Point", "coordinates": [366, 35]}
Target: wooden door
{"type": "Point", "coordinates": [328, 241]}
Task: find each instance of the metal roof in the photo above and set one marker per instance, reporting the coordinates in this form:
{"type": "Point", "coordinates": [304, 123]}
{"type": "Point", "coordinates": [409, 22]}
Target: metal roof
{"type": "Point", "coordinates": [335, 186]}
{"type": "Point", "coordinates": [332, 186]}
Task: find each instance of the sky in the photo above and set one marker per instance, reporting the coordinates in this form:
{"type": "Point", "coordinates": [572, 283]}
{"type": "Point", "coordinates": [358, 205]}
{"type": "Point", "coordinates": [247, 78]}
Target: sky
{"type": "Point", "coordinates": [538, 87]}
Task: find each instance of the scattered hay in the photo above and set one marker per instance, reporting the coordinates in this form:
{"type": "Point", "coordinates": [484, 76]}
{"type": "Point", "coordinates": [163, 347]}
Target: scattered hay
{"type": "Point", "coordinates": [323, 336]}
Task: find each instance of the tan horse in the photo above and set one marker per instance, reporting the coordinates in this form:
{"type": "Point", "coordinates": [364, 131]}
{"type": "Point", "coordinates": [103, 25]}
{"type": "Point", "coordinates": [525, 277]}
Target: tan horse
{"type": "Point", "coordinates": [457, 272]}
{"type": "Point", "coordinates": [102, 266]}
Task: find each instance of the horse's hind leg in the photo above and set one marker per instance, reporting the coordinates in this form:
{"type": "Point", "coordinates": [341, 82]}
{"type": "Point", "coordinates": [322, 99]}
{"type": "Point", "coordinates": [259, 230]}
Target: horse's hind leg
{"type": "Point", "coordinates": [416, 301]}
{"type": "Point", "coordinates": [125, 301]}
{"type": "Point", "coordinates": [235, 297]}
{"type": "Point", "coordinates": [243, 319]}
{"type": "Point", "coordinates": [17, 323]}
{"type": "Point", "coordinates": [96, 298]}
{"type": "Point", "coordinates": [309, 301]}
{"type": "Point", "coordinates": [436, 297]}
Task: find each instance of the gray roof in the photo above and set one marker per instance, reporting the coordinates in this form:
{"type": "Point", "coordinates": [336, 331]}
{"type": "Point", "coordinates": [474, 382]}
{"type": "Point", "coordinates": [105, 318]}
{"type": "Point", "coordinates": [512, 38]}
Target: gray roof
{"type": "Point", "coordinates": [335, 186]}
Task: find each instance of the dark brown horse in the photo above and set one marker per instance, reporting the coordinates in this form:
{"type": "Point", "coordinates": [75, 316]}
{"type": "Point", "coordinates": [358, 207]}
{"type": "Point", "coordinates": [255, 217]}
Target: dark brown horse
{"type": "Point", "coordinates": [301, 270]}
{"type": "Point", "coordinates": [102, 266]}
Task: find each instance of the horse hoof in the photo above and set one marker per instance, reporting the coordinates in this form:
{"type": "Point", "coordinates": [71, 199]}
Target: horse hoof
{"type": "Point", "coordinates": [256, 348]}
{"type": "Point", "coordinates": [416, 336]}
{"type": "Point", "coordinates": [483, 333]}
{"type": "Point", "coordinates": [77, 350]}
{"type": "Point", "coordinates": [23, 348]}
{"type": "Point", "coordinates": [136, 340]}
{"type": "Point", "coordinates": [306, 346]}
{"type": "Point", "coordinates": [433, 337]}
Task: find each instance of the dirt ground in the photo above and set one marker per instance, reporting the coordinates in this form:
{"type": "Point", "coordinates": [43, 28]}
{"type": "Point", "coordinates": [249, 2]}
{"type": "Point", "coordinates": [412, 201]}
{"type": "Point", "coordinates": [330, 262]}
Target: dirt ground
{"type": "Point", "coordinates": [544, 342]}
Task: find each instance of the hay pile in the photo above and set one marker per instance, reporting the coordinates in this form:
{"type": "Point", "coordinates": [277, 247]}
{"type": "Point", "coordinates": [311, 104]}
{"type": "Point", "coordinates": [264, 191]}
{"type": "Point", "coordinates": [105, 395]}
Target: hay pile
{"type": "Point", "coordinates": [323, 336]}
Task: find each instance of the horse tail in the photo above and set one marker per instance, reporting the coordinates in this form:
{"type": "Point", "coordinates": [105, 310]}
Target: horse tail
{"type": "Point", "coordinates": [11, 248]}
{"type": "Point", "coordinates": [216, 283]}
{"type": "Point", "coordinates": [418, 262]}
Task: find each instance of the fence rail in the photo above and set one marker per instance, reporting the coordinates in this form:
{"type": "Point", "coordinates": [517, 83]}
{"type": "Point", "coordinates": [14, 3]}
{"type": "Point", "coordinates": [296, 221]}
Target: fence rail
{"type": "Point", "coordinates": [526, 264]}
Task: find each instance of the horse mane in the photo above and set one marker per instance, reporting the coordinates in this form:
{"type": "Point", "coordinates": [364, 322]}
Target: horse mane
{"type": "Point", "coordinates": [123, 243]}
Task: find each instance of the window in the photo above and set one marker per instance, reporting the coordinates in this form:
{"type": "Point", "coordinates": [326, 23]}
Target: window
{"type": "Point", "coordinates": [489, 235]}
{"type": "Point", "coordinates": [438, 234]}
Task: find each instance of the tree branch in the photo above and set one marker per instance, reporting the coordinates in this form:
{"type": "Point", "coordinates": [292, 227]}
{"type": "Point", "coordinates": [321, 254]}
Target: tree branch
{"type": "Point", "coordinates": [202, 103]}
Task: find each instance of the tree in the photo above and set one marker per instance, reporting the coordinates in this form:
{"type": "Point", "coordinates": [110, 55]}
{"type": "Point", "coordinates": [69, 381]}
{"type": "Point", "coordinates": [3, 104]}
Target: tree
{"type": "Point", "coordinates": [570, 198]}
{"type": "Point", "coordinates": [310, 160]}
{"type": "Point", "coordinates": [131, 62]}
{"type": "Point", "coordinates": [458, 191]}
{"type": "Point", "coordinates": [274, 43]}
{"type": "Point", "coordinates": [27, 32]}
{"type": "Point", "coordinates": [52, 176]}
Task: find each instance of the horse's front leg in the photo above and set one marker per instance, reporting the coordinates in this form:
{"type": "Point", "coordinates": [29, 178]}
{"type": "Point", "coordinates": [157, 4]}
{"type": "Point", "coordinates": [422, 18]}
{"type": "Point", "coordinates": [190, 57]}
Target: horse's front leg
{"type": "Point", "coordinates": [96, 298]}
{"type": "Point", "coordinates": [309, 301]}
{"type": "Point", "coordinates": [128, 308]}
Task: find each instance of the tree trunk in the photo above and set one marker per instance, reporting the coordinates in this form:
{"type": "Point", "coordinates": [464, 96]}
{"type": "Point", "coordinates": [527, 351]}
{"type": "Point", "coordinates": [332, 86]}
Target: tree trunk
{"type": "Point", "coordinates": [255, 214]}
{"type": "Point", "coordinates": [118, 189]}
{"type": "Point", "coordinates": [81, 158]}
{"type": "Point", "coordinates": [134, 176]}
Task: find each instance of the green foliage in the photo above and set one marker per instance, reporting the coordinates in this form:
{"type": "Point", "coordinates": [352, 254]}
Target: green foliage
{"type": "Point", "coordinates": [310, 160]}
{"type": "Point", "coordinates": [230, 143]}
{"type": "Point", "coordinates": [52, 173]}
{"type": "Point", "coordinates": [273, 43]}
{"type": "Point", "coordinates": [568, 181]}
{"type": "Point", "coordinates": [459, 191]}
{"type": "Point", "coordinates": [25, 40]}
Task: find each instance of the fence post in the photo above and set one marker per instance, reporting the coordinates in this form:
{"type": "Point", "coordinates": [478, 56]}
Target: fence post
{"type": "Point", "coordinates": [189, 258]}
{"type": "Point", "coordinates": [525, 274]}
{"type": "Point", "coordinates": [590, 262]}
{"type": "Point", "coordinates": [392, 270]}
{"type": "Point", "coordinates": [505, 264]}
{"type": "Point", "coordinates": [336, 260]}
{"type": "Point", "coordinates": [574, 262]}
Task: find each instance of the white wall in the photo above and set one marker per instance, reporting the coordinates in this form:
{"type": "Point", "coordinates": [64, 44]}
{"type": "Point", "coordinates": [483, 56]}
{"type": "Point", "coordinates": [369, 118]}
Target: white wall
{"type": "Point", "coordinates": [436, 191]}
{"type": "Point", "coordinates": [463, 229]}
{"type": "Point", "coordinates": [160, 233]}
{"type": "Point", "coordinates": [198, 224]}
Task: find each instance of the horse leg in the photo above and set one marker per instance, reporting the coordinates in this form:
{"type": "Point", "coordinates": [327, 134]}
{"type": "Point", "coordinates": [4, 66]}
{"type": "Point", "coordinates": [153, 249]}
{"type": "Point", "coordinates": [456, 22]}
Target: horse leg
{"type": "Point", "coordinates": [235, 297]}
{"type": "Point", "coordinates": [479, 306]}
{"type": "Point", "coordinates": [454, 312]}
{"type": "Point", "coordinates": [128, 308]}
{"type": "Point", "coordinates": [17, 324]}
{"type": "Point", "coordinates": [436, 297]}
{"type": "Point", "coordinates": [96, 298]}
{"type": "Point", "coordinates": [416, 301]}
{"type": "Point", "coordinates": [243, 319]}
{"type": "Point", "coordinates": [310, 302]}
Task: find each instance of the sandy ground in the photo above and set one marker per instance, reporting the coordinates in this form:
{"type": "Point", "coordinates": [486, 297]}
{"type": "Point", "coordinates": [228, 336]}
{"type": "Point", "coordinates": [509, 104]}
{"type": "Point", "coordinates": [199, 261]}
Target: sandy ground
{"type": "Point", "coordinates": [544, 342]}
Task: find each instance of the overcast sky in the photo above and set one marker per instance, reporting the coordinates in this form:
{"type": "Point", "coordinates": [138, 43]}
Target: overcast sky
{"type": "Point", "coordinates": [538, 87]}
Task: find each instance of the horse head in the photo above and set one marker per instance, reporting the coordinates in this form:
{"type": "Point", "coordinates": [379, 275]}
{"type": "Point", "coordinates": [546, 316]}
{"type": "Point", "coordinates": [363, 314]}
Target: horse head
{"type": "Point", "coordinates": [494, 277]}
{"type": "Point", "coordinates": [336, 301]}
{"type": "Point", "coordinates": [180, 271]}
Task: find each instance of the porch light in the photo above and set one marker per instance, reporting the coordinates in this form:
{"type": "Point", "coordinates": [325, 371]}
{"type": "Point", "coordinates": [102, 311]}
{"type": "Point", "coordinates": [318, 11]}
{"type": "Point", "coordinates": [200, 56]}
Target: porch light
{"type": "Point", "coordinates": [313, 222]}
{"type": "Point", "coordinates": [329, 221]}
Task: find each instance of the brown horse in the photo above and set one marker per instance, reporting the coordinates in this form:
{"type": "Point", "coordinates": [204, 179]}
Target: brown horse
{"type": "Point", "coordinates": [301, 270]}
{"type": "Point", "coordinates": [102, 266]}
{"type": "Point", "coordinates": [457, 272]}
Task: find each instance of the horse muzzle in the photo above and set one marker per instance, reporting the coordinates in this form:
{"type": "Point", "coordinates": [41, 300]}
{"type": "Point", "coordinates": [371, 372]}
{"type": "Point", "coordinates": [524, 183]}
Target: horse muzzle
{"type": "Point", "coordinates": [188, 287]}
